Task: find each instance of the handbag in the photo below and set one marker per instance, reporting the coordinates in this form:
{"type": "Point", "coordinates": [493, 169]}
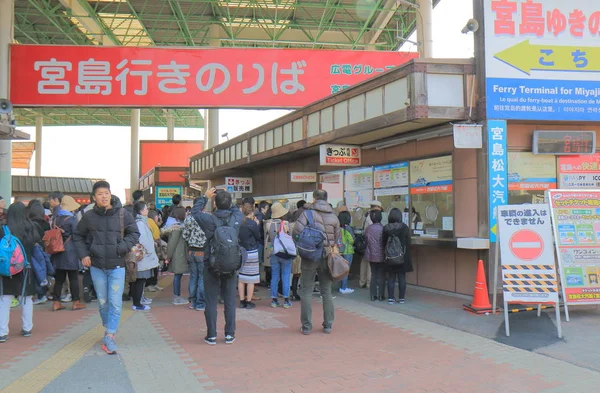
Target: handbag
{"type": "Point", "coordinates": [284, 246]}
{"type": "Point", "coordinates": [53, 239]}
{"type": "Point", "coordinates": [337, 265]}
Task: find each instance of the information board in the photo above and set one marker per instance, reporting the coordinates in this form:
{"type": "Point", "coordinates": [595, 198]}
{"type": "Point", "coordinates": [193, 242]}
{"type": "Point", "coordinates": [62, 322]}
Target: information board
{"type": "Point", "coordinates": [164, 195]}
{"type": "Point", "coordinates": [394, 175]}
{"type": "Point", "coordinates": [579, 172]}
{"type": "Point", "coordinates": [576, 222]}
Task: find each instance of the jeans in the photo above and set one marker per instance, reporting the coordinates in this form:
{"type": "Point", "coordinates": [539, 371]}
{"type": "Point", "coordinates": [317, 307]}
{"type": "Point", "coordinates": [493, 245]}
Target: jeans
{"type": "Point", "coordinates": [109, 284]}
{"type": "Point", "coordinates": [377, 279]}
{"type": "Point", "coordinates": [177, 284]}
{"type": "Point", "coordinates": [196, 262]}
{"type": "Point", "coordinates": [212, 286]}
{"type": "Point", "coordinates": [345, 280]}
{"type": "Point", "coordinates": [307, 283]}
{"type": "Point", "coordinates": [280, 268]}
{"type": "Point", "coordinates": [392, 276]}
{"type": "Point", "coordinates": [26, 313]}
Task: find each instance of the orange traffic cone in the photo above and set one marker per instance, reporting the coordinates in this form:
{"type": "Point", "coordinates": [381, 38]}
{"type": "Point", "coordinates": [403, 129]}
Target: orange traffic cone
{"type": "Point", "coordinates": [481, 301]}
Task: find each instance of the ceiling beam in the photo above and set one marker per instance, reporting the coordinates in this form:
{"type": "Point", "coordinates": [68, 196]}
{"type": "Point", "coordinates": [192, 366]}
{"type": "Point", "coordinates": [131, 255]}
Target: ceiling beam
{"type": "Point", "coordinates": [382, 20]}
{"type": "Point", "coordinates": [50, 13]}
{"type": "Point", "coordinates": [181, 22]}
{"type": "Point", "coordinates": [292, 35]}
{"type": "Point", "coordinates": [87, 17]}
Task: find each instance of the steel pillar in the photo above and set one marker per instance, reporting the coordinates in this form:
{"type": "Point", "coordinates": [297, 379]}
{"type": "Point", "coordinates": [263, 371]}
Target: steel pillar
{"type": "Point", "coordinates": [170, 125]}
{"type": "Point", "coordinates": [135, 150]}
{"type": "Point", "coordinates": [7, 17]}
{"type": "Point", "coordinates": [425, 28]}
{"type": "Point", "coordinates": [211, 116]}
{"type": "Point", "coordinates": [39, 124]}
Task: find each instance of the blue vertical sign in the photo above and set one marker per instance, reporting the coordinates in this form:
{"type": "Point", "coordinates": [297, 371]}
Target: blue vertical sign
{"type": "Point", "coordinates": [497, 171]}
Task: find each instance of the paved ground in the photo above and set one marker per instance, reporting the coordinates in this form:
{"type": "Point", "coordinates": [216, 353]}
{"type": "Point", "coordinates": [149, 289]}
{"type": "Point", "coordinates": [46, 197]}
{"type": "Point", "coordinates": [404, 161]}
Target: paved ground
{"type": "Point", "coordinates": [427, 345]}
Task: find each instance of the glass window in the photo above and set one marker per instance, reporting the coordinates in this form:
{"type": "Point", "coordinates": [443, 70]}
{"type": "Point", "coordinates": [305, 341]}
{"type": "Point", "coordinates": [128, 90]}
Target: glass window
{"type": "Point", "coordinates": [431, 191]}
{"type": "Point", "coordinates": [529, 176]}
{"type": "Point", "coordinates": [391, 188]}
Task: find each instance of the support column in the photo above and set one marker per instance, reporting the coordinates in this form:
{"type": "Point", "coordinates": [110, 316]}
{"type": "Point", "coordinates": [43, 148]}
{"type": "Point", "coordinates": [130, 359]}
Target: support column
{"type": "Point", "coordinates": [211, 116]}
{"type": "Point", "coordinates": [425, 28]}
{"type": "Point", "coordinates": [39, 124]}
{"type": "Point", "coordinates": [170, 125]}
{"type": "Point", "coordinates": [135, 149]}
{"type": "Point", "coordinates": [7, 9]}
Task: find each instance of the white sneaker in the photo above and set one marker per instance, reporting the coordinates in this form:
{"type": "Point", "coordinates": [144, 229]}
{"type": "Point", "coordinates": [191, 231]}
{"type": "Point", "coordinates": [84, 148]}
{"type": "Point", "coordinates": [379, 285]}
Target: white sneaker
{"type": "Point", "coordinates": [145, 301]}
{"type": "Point", "coordinates": [179, 301]}
{"type": "Point", "coordinates": [40, 301]}
{"type": "Point", "coordinates": [67, 298]}
{"type": "Point", "coordinates": [346, 291]}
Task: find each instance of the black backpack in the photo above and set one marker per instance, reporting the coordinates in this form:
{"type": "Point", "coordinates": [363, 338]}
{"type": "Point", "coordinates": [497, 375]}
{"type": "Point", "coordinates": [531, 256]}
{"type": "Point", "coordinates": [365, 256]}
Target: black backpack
{"type": "Point", "coordinates": [226, 254]}
{"type": "Point", "coordinates": [394, 251]}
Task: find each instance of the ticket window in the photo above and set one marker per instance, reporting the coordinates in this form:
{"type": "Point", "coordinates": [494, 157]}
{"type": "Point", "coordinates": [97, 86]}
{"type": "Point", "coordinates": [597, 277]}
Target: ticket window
{"type": "Point", "coordinates": [433, 214]}
{"type": "Point", "coordinates": [390, 202]}
{"type": "Point", "coordinates": [529, 176]}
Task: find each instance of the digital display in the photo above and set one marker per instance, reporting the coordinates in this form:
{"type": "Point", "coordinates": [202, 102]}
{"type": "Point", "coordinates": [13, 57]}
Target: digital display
{"type": "Point", "coordinates": [564, 142]}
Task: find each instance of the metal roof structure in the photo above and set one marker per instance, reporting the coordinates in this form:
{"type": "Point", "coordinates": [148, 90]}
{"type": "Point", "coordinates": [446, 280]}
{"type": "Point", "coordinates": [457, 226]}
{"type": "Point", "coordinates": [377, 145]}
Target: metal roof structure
{"type": "Point", "coordinates": [186, 118]}
{"type": "Point", "coordinates": [328, 24]}
{"type": "Point", "coordinates": [45, 185]}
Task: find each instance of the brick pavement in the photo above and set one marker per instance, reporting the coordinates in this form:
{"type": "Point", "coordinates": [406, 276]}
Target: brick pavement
{"type": "Point", "coordinates": [372, 349]}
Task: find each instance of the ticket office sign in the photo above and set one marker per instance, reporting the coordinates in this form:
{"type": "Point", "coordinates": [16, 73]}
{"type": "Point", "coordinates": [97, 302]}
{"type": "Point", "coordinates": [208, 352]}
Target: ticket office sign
{"type": "Point", "coordinates": [527, 255]}
{"type": "Point", "coordinates": [576, 222]}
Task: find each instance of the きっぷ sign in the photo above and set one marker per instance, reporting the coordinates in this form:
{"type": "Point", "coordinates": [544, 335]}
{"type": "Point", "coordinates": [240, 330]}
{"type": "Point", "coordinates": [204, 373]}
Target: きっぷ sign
{"type": "Point", "coordinates": [542, 57]}
{"type": "Point", "coordinates": [339, 155]}
{"type": "Point", "coordinates": [238, 184]}
{"type": "Point", "coordinates": [192, 78]}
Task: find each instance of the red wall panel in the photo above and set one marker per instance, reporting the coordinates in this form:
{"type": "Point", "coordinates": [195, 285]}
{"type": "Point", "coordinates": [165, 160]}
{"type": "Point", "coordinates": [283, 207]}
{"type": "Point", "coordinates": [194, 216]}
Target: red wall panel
{"type": "Point", "coordinates": [167, 153]}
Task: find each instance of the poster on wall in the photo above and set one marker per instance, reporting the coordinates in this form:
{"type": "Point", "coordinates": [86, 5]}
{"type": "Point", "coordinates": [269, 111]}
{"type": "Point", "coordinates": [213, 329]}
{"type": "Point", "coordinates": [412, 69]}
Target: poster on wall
{"type": "Point", "coordinates": [164, 195]}
{"type": "Point", "coordinates": [579, 172]}
{"type": "Point", "coordinates": [576, 222]}
{"type": "Point", "coordinates": [359, 179]}
{"type": "Point", "coordinates": [531, 172]}
{"type": "Point", "coordinates": [541, 59]}
{"type": "Point", "coordinates": [394, 175]}
{"type": "Point", "coordinates": [433, 175]}
{"type": "Point", "coordinates": [361, 198]}
{"type": "Point", "coordinates": [238, 184]}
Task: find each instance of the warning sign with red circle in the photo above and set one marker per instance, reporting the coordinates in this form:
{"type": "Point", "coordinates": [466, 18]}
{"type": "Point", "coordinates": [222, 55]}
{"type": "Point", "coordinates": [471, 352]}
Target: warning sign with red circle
{"type": "Point", "coordinates": [527, 254]}
{"type": "Point", "coordinates": [526, 245]}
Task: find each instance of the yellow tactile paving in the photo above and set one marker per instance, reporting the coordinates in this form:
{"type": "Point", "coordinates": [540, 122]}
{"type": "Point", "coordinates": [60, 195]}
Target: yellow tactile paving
{"type": "Point", "coordinates": [38, 378]}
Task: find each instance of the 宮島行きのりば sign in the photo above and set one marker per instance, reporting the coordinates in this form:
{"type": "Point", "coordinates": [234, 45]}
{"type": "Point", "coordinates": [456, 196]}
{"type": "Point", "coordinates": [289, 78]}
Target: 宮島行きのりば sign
{"type": "Point", "coordinates": [542, 59]}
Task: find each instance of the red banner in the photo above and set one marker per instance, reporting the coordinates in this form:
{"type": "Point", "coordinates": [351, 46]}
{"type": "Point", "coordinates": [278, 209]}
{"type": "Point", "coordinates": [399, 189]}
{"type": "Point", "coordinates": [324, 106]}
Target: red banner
{"type": "Point", "coordinates": [195, 78]}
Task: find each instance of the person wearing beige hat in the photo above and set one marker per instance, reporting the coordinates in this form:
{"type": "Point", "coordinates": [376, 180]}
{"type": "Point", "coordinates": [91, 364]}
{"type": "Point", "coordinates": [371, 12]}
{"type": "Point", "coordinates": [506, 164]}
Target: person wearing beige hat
{"type": "Point", "coordinates": [66, 263]}
{"type": "Point", "coordinates": [281, 268]}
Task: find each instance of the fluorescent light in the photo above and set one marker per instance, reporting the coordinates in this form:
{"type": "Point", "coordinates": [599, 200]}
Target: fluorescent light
{"type": "Point", "coordinates": [255, 22]}
{"type": "Point", "coordinates": [284, 5]}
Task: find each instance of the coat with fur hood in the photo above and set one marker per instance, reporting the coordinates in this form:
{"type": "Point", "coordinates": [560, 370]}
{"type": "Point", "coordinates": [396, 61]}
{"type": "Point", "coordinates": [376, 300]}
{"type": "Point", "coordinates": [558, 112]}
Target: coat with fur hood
{"type": "Point", "coordinates": [324, 218]}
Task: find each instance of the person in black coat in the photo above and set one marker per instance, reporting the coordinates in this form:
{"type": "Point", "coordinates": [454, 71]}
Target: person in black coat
{"type": "Point", "coordinates": [37, 215]}
{"type": "Point", "coordinates": [396, 227]}
{"type": "Point", "coordinates": [103, 237]}
{"type": "Point", "coordinates": [23, 229]}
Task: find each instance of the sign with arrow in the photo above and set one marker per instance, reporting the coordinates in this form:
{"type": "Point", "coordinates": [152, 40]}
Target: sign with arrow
{"type": "Point", "coordinates": [542, 59]}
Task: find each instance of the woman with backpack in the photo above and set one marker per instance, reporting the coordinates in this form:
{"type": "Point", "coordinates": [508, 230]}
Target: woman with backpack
{"type": "Point", "coordinates": [23, 229]}
{"type": "Point", "coordinates": [66, 263]}
{"type": "Point", "coordinates": [347, 246]}
{"type": "Point", "coordinates": [397, 271]}
{"type": "Point", "coordinates": [148, 262]}
{"type": "Point", "coordinates": [177, 254]}
{"type": "Point", "coordinates": [281, 267]}
{"type": "Point", "coordinates": [374, 254]}
{"type": "Point", "coordinates": [37, 215]}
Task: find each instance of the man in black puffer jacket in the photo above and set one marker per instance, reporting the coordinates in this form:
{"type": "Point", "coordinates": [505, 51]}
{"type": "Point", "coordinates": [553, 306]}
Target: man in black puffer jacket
{"type": "Point", "coordinates": [104, 236]}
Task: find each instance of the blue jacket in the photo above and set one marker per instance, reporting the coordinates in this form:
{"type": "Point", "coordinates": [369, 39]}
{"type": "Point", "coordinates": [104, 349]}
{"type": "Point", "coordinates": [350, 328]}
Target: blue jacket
{"type": "Point", "coordinates": [41, 266]}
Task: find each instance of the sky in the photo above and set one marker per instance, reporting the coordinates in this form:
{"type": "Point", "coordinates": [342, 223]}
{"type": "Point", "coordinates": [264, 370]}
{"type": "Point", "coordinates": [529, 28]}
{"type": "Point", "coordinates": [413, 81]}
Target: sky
{"type": "Point", "coordinates": [104, 152]}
